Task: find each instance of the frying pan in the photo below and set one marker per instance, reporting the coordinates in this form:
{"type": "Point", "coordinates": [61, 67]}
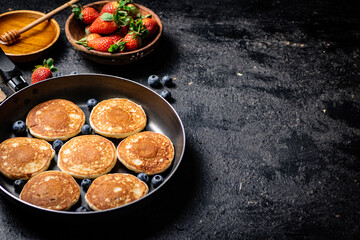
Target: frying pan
{"type": "Point", "coordinates": [162, 118]}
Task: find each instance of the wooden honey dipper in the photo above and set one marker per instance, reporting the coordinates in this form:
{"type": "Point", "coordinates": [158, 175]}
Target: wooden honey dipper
{"type": "Point", "coordinates": [13, 35]}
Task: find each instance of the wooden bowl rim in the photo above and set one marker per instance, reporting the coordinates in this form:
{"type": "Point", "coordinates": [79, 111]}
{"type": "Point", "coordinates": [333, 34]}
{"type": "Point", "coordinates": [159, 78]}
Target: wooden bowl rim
{"type": "Point", "coordinates": [112, 55]}
{"type": "Point", "coordinates": [53, 21]}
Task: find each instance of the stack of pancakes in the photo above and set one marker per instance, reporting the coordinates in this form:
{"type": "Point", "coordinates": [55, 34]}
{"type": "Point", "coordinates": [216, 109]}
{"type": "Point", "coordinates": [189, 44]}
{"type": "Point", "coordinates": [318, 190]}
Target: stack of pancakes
{"type": "Point", "coordinates": [85, 156]}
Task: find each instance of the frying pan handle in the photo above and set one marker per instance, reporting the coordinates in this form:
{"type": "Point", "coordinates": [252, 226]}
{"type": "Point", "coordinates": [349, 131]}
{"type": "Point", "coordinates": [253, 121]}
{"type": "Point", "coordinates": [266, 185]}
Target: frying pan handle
{"type": "Point", "coordinates": [10, 73]}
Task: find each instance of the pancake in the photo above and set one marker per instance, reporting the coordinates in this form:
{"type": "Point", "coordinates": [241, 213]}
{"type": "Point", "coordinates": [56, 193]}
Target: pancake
{"type": "Point", "coordinates": [23, 157]}
{"type": "Point", "coordinates": [117, 118]}
{"type": "Point", "coordinates": [87, 156]}
{"type": "Point", "coordinates": [52, 190]}
{"type": "Point", "coordinates": [146, 152]}
{"type": "Point", "coordinates": [114, 190]}
{"type": "Point", "coordinates": [55, 119]}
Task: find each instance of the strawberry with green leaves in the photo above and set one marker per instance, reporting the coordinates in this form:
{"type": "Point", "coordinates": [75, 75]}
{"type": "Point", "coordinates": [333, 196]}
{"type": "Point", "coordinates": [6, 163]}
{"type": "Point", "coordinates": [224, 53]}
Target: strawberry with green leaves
{"type": "Point", "coordinates": [104, 24]}
{"type": "Point", "coordinates": [87, 15]}
{"type": "Point", "coordinates": [109, 7]}
{"type": "Point", "coordinates": [84, 41]}
{"type": "Point", "coordinates": [106, 44]}
{"type": "Point", "coordinates": [42, 72]}
{"type": "Point", "coordinates": [132, 42]}
{"type": "Point", "coordinates": [151, 25]}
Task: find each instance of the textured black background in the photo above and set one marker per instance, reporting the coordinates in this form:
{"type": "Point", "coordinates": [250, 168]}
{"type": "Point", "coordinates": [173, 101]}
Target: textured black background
{"type": "Point", "coordinates": [268, 92]}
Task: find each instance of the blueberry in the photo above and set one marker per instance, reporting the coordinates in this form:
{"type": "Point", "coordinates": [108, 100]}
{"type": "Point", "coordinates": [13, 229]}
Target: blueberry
{"type": "Point", "coordinates": [86, 129]}
{"type": "Point", "coordinates": [91, 103]}
{"type": "Point", "coordinates": [58, 74]}
{"type": "Point", "coordinates": [85, 184]}
{"type": "Point", "coordinates": [82, 209]}
{"type": "Point", "coordinates": [19, 127]}
{"type": "Point", "coordinates": [166, 94]}
{"type": "Point", "coordinates": [73, 73]}
{"type": "Point", "coordinates": [166, 81]}
{"type": "Point", "coordinates": [143, 177]}
{"type": "Point", "coordinates": [18, 185]}
{"type": "Point", "coordinates": [154, 81]}
{"type": "Point", "coordinates": [157, 180]}
{"type": "Point", "coordinates": [57, 144]}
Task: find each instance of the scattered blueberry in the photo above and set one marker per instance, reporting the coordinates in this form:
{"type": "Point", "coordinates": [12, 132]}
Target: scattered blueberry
{"type": "Point", "coordinates": [19, 127]}
{"type": "Point", "coordinates": [91, 103]}
{"type": "Point", "coordinates": [166, 94]}
{"type": "Point", "coordinates": [82, 209]}
{"type": "Point", "coordinates": [154, 81]}
{"type": "Point", "coordinates": [18, 185]}
{"type": "Point", "coordinates": [57, 144]}
{"type": "Point", "coordinates": [157, 180]}
{"type": "Point", "coordinates": [86, 129]}
{"type": "Point", "coordinates": [166, 81]}
{"type": "Point", "coordinates": [74, 73]}
{"type": "Point", "coordinates": [143, 177]}
{"type": "Point", "coordinates": [85, 184]}
{"type": "Point", "coordinates": [58, 74]}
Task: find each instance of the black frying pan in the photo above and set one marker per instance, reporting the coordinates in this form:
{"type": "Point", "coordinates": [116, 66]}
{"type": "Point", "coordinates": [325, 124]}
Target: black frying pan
{"type": "Point", "coordinates": [162, 118]}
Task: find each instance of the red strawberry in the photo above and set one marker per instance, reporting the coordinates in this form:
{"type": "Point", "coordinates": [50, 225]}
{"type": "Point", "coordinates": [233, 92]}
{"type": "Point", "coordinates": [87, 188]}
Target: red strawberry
{"type": "Point", "coordinates": [151, 25]}
{"type": "Point", "coordinates": [42, 72]}
{"type": "Point", "coordinates": [87, 15]}
{"type": "Point", "coordinates": [132, 10]}
{"type": "Point", "coordinates": [92, 36]}
{"type": "Point", "coordinates": [109, 7]}
{"type": "Point", "coordinates": [104, 24]}
{"type": "Point", "coordinates": [101, 44]}
{"type": "Point", "coordinates": [84, 41]}
{"type": "Point", "coordinates": [116, 37]}
{"type": "Point", "coordinates": [133, 42]}
{"type": "Point", "coordinates": [106, 44]}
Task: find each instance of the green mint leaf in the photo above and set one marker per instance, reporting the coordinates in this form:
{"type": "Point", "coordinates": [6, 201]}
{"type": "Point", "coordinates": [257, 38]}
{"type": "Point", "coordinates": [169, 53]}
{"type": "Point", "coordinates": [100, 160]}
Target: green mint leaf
{"type": "Point", "coordinates": [107, 17]}
{"type": "Point", "coordinates": [49, 62]}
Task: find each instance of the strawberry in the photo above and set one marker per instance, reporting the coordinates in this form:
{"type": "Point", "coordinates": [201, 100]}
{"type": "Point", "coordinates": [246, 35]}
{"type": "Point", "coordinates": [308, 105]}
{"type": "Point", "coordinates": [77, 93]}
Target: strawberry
{"type": "Point", "coordinates": [132, 10]}
{"type": "Point", "coordinates": [87, 15]}
{"type": "Point", "coordinates": [116, 37]}
{"type": "Point", "coordinates": [109, 7]}
{"type": "Point", "coordinates": [84, 41]}
{"type": "Point", "coordinates": [104, 24]}
{"type": "Point", "coordinates": [106, 44]}
{"type": "Point", "coordinates": [42, 72]}
{"type": "Point", "coordinates": [151, 25]}
{"type": "Point", "coordinates": [92, 36]}
{"type": "Point", "coordinates": [132, 42]}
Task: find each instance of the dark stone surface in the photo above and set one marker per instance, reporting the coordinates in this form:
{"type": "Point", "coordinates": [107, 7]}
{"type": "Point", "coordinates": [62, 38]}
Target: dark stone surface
{"type": "Point", "coordinates": [269, 93]}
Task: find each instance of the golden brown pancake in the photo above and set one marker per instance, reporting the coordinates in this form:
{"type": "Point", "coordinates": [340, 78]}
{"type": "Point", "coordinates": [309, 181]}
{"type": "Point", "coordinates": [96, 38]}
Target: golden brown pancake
{"type": "Point", "coordinates": [146, 152]}
{"type": "Point", "coordinates": [55, 119]}
{"type": "Point", "coordinates": [87, 156]}
{"type": "Point", "coordinates": [23, 157]}
{"type": "Point", "coordinates": [117, 118]}
{"type": "Point", "coordinates": [52, 190]}
{"type": "Point", "coordinates": [114, 190]}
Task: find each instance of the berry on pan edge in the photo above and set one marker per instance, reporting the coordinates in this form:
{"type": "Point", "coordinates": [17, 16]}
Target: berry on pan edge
{"type": "Point", "coordinates": [157, 180]}
{"type": "Point", "coordinates": [85, 183]}
{"type": "Point", "coordinates": [143, 177]}
{"type": "Point", "coordinates": [86, 129]}
{"type": "Point", "coordinates": [57, 144]}
{"type": "Point", "coordinates": [18, 185]}
{"type": "Point", "coordinates": [91, 103]}
{"type": "Point", "coordinates": [82, 209]}
{"type": "Point", "coordinates": [19, 127]}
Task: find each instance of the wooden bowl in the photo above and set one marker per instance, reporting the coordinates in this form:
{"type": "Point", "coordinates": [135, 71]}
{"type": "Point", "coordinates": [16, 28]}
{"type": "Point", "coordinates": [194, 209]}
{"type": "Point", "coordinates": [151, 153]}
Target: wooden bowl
{"type": "Point", "coordinates": [75, 30]}
{"type": "Point", "coordinates": [34, 43]}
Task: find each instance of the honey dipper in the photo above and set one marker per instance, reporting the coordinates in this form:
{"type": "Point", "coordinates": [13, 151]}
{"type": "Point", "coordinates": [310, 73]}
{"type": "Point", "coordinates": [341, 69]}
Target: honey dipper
{"type": "Point", "coordinates": [13, 35]}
